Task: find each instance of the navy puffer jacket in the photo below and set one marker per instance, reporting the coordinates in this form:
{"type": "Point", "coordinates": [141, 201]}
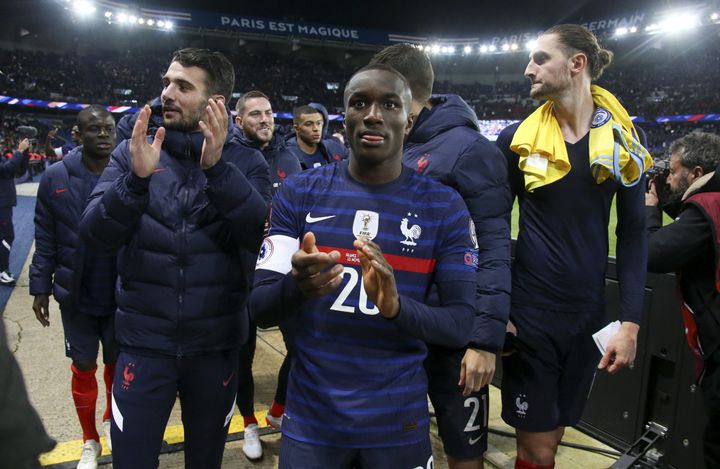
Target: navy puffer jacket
{"type": "Point", "coordinates": [8, 171]}
{"type": "Point", "coordinates": [187, 239]}
{"type": "Point", "coordinates": [57, 262]}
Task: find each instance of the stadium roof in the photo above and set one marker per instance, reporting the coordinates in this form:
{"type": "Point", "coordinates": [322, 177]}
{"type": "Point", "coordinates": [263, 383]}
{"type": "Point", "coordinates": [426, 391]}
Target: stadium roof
{"type": "Point", "coordinates": [446, 17]}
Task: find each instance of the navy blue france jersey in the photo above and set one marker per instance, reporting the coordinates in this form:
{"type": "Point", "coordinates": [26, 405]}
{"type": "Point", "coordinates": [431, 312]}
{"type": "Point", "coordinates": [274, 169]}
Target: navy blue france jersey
{"type": "Point", "coordinates": [357, 379]}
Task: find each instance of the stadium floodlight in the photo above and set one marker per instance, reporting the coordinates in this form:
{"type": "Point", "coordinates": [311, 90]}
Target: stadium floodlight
{"type": "Point", "coordinates": [530, 44]}
{"type": "Point", "coordinates": [150, 22]}
{"type": "Point", "coordinates": [169, 25]}
{"type": "Point", "coordinates": [122, 18]}
{"type": "Point", "coordinates": [83, 8]}
{"type": "Point", "coordinates": [483, 49]}
{"type": "Point", "coordinates": [621, 31]}
{"type": "Point", "coordinates": [506, 47]}
{"type": "Point", "coordinates": [679, 23]}
{"type": "Point", "coordinates": [132, 19]}
{"type": "Point", "coordinates": [715, 16]}
{"type": "Point", "coordinates": [467, 49]}
{"type": "Point", "coordinates": [513, 46]}
{"type": "Point", "coordinates": [141, 20]}
{"type": "Point", "coordinates": [492, 48]}
{"type": "Point", "coordinates": [633, 29]}
{"type": "Point", "coordinates": [451, 50]}
{"type": "Point", "coordinates": [435, 49]}
{"type": "Point", "coordinates": [161, 24]}
{"type": "Point", "coordinates": [108, 14]}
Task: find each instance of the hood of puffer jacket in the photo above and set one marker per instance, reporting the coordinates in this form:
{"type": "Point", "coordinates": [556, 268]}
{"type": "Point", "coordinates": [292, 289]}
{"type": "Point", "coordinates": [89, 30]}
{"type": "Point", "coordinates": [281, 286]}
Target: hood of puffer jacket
{"type": "Point", "coordinates": [448, 111]}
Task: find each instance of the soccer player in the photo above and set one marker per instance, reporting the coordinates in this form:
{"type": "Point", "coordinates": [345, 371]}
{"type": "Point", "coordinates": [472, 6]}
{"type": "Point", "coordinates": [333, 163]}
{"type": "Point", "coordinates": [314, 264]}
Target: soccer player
{"type": "Point", "coordinates": [255, 120]}
{"type": "Point", "coordinates": [562, 170]}
{"type": "Point", "coordinates": [308, 144]}
{"type": "Point", "coordinates": [81, 279]}
{"type": "Point", "coordinates": [185, 206]}
{"type": "Point", "coordinates": [446, 145]}
{"type": "Point", "coordinates": [352, 251]}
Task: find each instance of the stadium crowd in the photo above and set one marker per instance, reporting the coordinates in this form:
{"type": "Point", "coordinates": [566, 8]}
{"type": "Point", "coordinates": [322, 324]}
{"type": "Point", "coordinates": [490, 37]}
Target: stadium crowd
{"type": "Point", "coordinates": [659, 87]}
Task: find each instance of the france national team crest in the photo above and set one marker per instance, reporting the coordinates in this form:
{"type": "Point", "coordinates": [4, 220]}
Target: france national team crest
{"type": "Point", "coordinates": [600, 117]}
{"type": "Point", "coordinates": [411, 232]}
{"type": "Point", "coordinates": [366, 224]}
{"type": "Point", "coordinates": [522, 405]}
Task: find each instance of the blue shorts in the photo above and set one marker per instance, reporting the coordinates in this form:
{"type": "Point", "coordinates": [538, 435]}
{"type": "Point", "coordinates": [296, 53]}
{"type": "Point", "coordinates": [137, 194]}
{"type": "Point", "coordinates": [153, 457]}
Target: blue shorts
{"type": "Point", "coordinates": [144, 393]}
{"type": "Point", "coordinates": [84, 333]}
{"type": "Point", "coordinates": [296, 454]}
{"type": "Point", "coordinates": [546, 382]}
{"type": "Point", "coordinates": [462, 421]}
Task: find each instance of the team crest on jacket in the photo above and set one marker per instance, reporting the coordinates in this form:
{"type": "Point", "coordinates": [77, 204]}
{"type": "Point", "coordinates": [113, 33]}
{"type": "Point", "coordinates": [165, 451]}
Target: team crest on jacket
{"type": "Point", "coordinates": [423, 162]}
{"type": "Point", "coordinates": [600, 117]}
{"type": "Point", "coordinates": [366, 224]}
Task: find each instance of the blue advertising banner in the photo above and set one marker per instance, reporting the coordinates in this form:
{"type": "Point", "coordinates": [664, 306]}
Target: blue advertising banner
{"type": "Point", "coordinates": [276, 27]}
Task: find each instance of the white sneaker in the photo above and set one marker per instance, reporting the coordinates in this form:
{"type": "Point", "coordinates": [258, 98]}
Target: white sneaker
{"type": "Point", "coordinates": [106, 432]}
{"type": "Point", "coordinates": [274, 422]}
{"type": "Point", "coordinates": [251, 443]}
{"type": "Point", "coordinates": [90, 453]}
{"type": "Point", "coordinates": [6, 278]}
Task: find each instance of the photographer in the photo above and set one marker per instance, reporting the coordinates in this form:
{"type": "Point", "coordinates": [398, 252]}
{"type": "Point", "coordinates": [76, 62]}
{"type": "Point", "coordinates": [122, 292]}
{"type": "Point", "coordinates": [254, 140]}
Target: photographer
{"type": "Point", "coordinates": [690, 246]}
{"type": "Point", "coordinates": [8, 199]}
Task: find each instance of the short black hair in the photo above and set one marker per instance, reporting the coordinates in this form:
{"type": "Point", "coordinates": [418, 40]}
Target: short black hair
{"type": "Point", "coordinates": [306, 109]}
{"type": "Point", "coordinates": [240, 105]}
{"type": "Point", "coordinates": [413, 64]}
{"type": "Point", "coordinates": [382, 67]}
{"type": "Point", "coordinates": [83, 115]}
{"type": "Point", "coordinates": [219, 70]}
{"type": "Point", "coordinates": [697, 149]}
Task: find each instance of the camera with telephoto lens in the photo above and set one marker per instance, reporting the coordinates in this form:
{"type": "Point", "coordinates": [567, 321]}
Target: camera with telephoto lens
{"type": "Point", "coordinates": [658, 174]}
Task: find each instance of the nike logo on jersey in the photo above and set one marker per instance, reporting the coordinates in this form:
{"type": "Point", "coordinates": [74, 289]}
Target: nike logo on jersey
{"type": "Point", "coordinates": [60, 191]}
{"type": "Point", "coordinates": [310, 219]}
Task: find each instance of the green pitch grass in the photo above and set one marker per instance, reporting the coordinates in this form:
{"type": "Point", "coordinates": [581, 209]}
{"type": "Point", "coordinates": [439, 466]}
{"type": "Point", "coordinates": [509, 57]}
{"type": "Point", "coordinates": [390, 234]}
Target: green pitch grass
{"type": "Point", "coordinates": [611, 228]}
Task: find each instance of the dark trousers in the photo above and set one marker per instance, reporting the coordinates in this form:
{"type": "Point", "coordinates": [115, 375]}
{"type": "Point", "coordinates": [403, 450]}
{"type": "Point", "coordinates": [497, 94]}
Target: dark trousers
{"type": "Point", "coordinates": [144, 392]}
{"type": "Point", "coordinates": [288, 334]}
{"type": "Point", "coordinates": [7, 236]}
{"type": "Point", "coordinates": [711, 398]}
{"type": "Point", "coordinates": [246, 383]}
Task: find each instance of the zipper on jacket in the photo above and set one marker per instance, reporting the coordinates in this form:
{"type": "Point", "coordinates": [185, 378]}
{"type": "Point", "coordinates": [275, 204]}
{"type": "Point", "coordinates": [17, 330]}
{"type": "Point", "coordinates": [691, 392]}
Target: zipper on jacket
{"type": "Point", "coordinates": [182, 248]}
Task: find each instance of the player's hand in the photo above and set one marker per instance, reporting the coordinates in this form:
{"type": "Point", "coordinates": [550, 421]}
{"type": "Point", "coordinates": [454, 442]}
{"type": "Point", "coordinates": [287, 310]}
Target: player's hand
{"type": "Point", "coordinates": [651, 197]}
{"type": "Point", "coordinates": [316, 273]}
{"type": "Point", "coordinates": [23, 145]}
{"type": "Point", "coordinates": [476, 370]}
{"type": "Point", "coordinates": [41, 306]}
{"type": "Point", "coordinates": [215, 130]}
{"type": "Point", "coordinates": [378, 278]}
{"type": "Point", "coordinates": [144, 156]}
{"type": "Point", "coordinates": [621, 348]}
